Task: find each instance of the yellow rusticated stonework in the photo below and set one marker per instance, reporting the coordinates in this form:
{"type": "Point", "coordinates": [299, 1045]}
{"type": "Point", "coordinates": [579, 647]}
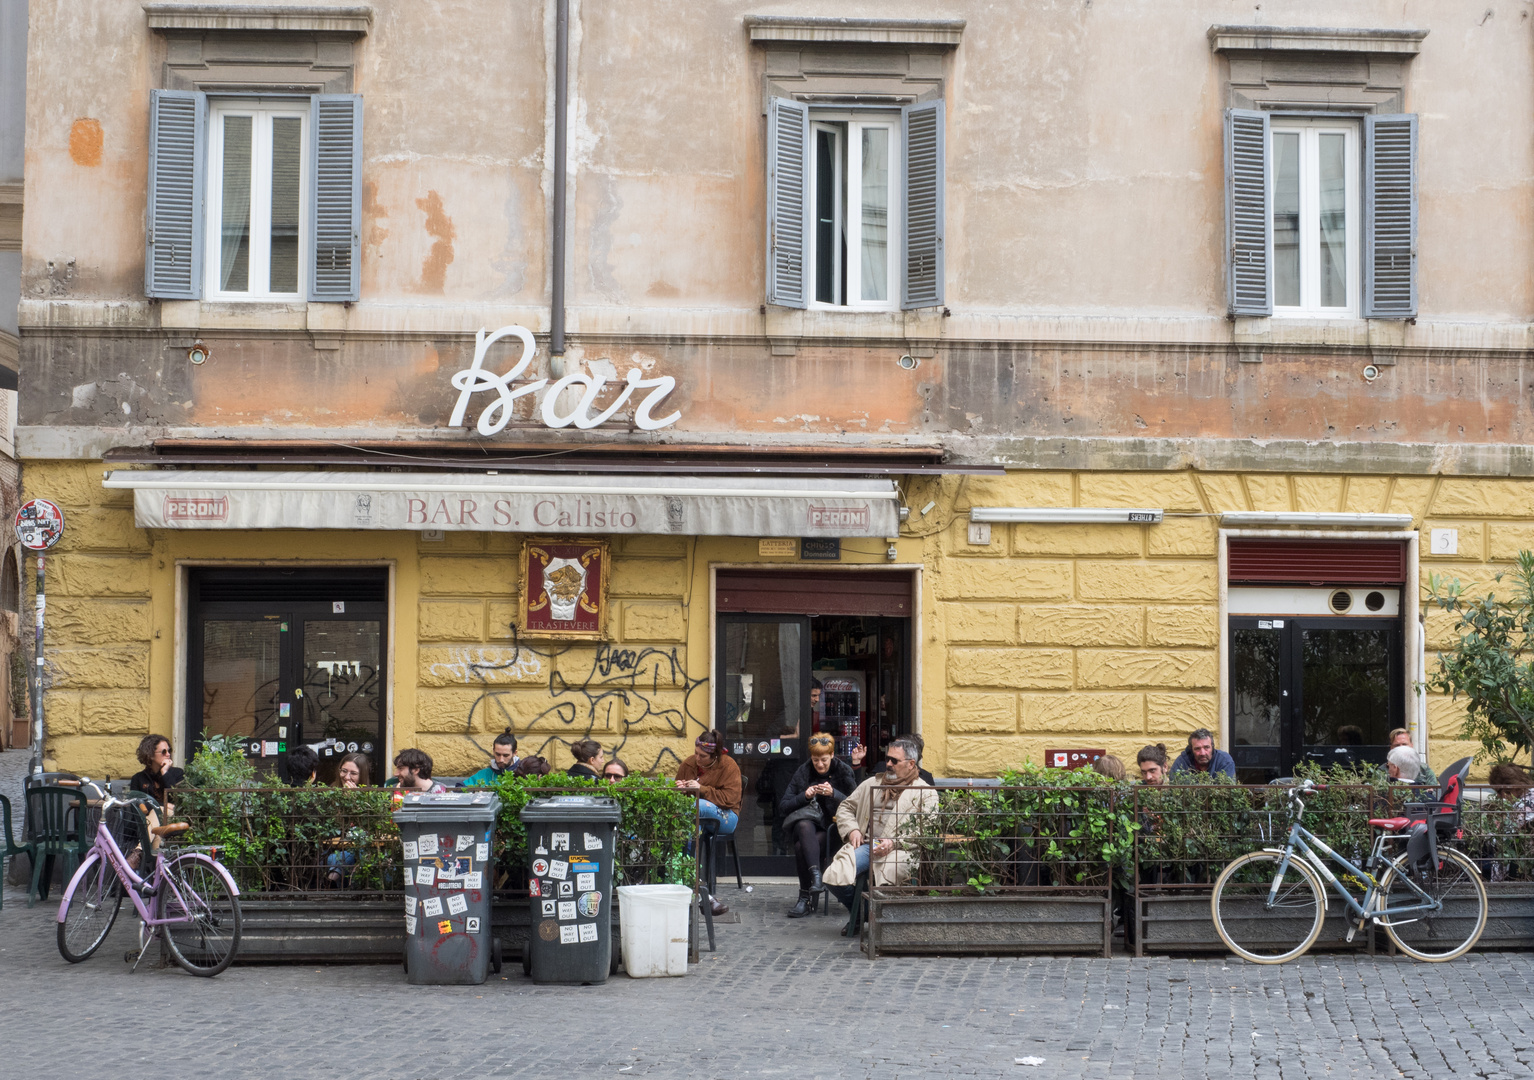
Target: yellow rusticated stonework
{"type": "Point", "coordinates": [1068, 635]}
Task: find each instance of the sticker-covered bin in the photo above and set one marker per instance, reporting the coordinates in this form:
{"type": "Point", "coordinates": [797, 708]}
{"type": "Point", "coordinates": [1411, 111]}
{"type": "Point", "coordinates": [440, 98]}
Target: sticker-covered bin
{"type": "Point", "coordinates": [449, 875]}
{"type": "Point", "coordinates": [570, 887]}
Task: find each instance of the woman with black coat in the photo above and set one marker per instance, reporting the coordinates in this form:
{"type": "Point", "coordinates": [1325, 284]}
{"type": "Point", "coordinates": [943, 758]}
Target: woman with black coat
{"type": "Point", "coordinates": [807, 811]}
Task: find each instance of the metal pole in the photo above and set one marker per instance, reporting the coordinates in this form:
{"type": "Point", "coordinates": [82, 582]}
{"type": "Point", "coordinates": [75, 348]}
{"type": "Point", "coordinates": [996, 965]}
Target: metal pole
{"type": "Point", "coordinates": [36, 764]}
{"type": "Point", "coordinates": [561, 139]}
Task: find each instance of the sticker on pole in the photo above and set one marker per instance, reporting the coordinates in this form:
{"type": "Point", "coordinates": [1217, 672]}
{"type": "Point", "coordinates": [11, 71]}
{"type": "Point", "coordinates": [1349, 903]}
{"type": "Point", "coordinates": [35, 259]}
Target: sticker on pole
{"type": "Point", "coordinates": [39, 524]}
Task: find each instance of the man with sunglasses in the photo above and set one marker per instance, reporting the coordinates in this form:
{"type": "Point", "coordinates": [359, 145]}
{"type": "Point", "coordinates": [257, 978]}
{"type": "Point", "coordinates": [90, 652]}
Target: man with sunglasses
{"type": "Point", "coordinates": [870, 820]}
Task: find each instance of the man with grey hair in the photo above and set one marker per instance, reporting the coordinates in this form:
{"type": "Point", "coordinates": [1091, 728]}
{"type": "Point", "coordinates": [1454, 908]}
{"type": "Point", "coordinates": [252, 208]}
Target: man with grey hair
{"type": "Point", "coordinates": [870, 819]}
{"type": "Point", "coordinates": [1401, 764]}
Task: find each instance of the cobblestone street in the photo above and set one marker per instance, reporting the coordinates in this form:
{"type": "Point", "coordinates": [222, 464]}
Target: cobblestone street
{"type": "Point", "coordinates": [778, 999]}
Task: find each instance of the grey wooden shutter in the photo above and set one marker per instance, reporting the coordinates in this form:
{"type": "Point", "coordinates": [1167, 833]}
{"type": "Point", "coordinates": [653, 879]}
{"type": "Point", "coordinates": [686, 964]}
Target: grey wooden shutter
{"type": "Point", "coordinates": [335, 197]}
{"type": "Point", "coordinates": [1248, 225]}
{"type": "Point", "coordinates": [178, 124]}
{"type": "Point", "coordinates": [921, 177]}
{"type": "Point", "coordinates": [788, 203]}
{"type": "Point", "coordinates": [1390, 217]}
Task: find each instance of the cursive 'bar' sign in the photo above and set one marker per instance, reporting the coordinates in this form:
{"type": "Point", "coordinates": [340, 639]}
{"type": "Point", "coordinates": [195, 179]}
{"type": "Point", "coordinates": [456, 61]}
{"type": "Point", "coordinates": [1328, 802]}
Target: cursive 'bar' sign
{"type": "Point", "coordinates": [496, 414]}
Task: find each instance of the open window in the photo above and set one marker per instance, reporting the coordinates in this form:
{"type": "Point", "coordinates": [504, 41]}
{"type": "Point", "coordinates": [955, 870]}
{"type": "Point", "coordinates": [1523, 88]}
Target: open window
{"type": "Point", "coordinates": [855, 206]}
{"type": "Point", "coordinates": [254, 197]}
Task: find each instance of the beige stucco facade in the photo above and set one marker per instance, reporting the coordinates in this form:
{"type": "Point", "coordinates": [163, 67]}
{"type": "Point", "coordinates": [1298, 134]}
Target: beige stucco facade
{"type": "Point", "coordinates": [1082, 346]}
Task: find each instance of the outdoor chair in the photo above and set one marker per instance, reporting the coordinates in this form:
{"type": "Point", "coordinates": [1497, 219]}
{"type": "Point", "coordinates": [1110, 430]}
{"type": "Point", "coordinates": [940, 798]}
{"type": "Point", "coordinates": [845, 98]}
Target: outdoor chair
{"type": "Point", "coordinates": [57, 822]}
{"type": "Point", "coordinates": [12, 848]}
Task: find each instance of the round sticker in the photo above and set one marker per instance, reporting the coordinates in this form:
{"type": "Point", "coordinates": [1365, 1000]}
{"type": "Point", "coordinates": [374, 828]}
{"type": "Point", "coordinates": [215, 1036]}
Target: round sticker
{"type": "Point", "coordinates": [367, 748]}
{"type": "Point", "coordinates": [548, 930]}
{"type": "Point", "coordinates": [764, 747]}
{"type": "Point", "coordinates": [787, 751]}
{"type": "Point", "coordinates": [351, 747]}
{"type": "Point", "coordinates": [540, 867]}
{"type": "Point", "coordinates": [39, 524]}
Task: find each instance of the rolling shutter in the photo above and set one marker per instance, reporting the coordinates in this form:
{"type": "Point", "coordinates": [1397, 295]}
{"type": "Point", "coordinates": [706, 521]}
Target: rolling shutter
{"type": "Point", "coordinates": [922, 200]}
{"type": "Point", "coordinates": [1317, 562]}
{"type": "Point", "coordinates": [809, 592]}
{"type": "Point", "coordinates": [1247, 224]}
{"type": "Point", "coordinates": [788, 202]}
{"type": "Point", "coordinates": [1390, 217]}
{"type": "Point", "coordinates": [335, 198]}
{"type": "Point", "coordinates": [178, 124]}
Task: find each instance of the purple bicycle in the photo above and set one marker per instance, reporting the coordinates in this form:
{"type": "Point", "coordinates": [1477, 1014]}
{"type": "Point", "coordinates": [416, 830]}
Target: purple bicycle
{"type": "Point", "coordinates": [187, 898]}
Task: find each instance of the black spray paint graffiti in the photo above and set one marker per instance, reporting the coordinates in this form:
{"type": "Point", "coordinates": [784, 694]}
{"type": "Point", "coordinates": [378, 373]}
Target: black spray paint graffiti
{"type": "Point", "coordinates": [621, 691]}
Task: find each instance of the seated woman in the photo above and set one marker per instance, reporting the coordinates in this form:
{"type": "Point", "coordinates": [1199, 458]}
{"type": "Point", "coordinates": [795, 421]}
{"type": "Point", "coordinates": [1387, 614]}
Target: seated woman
{"type": "Point", "coordinates": [588, 760]}
{"type": "Point", "coordinates": [352, 773]}
{"type": "Point", "coordinates": [615, 770]}
{"type": "Point", "coordinates": [532, 765]}
{"type": "Point", "coordinates": [809, 806]}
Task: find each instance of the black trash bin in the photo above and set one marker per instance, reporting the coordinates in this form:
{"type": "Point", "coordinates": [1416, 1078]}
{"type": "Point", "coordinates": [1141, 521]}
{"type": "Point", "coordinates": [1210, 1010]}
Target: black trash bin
{"type": "Point", "coordinates": [570, 853]}
{"type": "Point", "coordinates": [449, 875]}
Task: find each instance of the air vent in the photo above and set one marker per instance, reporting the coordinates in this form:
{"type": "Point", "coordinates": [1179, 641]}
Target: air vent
{"type": "Point", "coordinates": [1342, 600]}
{"type": "Point", "coordinates": [1375, 600]}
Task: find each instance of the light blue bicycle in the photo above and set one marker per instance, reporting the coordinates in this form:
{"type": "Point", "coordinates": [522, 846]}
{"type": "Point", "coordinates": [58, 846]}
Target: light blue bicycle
{"type": "Point", "coordinates": [1269, 906]}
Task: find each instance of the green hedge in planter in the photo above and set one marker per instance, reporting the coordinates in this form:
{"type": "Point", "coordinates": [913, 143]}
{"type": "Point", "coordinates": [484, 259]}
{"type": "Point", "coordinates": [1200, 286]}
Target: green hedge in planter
{"type": "Point", "coordinates": [659, 822]}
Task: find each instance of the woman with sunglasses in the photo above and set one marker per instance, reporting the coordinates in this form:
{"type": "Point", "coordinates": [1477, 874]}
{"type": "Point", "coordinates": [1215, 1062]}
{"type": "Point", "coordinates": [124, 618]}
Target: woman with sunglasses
{"type": "Point", "coordinates": [809, 806]}
{"type": "Point", "coordinates": [615, 770]}
{"type": "Point", "coordinates": [158, 775]}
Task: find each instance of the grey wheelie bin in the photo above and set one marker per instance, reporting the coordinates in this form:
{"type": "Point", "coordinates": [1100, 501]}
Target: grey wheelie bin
{"type": "Point", "coordinates": [570, 853]}
{"type": "Point", "coordinates": [449, 875]}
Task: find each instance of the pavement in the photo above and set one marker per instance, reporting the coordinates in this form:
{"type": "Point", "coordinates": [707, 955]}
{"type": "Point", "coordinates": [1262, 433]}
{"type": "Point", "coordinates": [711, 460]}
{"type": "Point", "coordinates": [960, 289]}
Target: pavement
{"type": "Point", "coordinates": [779, 998]}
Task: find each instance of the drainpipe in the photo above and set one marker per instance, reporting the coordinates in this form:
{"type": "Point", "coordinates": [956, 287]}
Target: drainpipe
{"type": "Point", "coordinates": [561, 143]}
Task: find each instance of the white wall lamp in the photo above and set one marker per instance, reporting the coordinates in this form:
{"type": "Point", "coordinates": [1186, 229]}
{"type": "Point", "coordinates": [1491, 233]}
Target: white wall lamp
{"type": "Point", "coordinates": [1245, 519]}
{"type": "Point", "coordinates": [1069, 515]}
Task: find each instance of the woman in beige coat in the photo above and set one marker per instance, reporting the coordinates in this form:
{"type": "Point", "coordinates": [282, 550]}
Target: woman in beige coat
{"type": "Point", "coordinates": [870, 821]}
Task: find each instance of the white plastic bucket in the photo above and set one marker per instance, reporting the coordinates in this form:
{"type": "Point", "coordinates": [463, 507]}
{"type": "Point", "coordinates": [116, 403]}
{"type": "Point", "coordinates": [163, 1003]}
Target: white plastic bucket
{"type": "Point", "coordinates": [654, 929]}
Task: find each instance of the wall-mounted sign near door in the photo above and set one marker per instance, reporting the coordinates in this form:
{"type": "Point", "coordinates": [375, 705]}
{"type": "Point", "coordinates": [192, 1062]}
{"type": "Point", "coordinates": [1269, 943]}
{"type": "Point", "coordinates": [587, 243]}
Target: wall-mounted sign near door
{"type": "Point", "coordinates": [556, 411]}
{"type": "Point", "coordinates": [820, 548]}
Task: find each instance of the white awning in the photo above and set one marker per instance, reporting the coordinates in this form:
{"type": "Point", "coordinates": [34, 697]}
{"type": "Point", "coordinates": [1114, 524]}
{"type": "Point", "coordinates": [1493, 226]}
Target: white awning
{"type": "Point", "coordinates": [480, 502]}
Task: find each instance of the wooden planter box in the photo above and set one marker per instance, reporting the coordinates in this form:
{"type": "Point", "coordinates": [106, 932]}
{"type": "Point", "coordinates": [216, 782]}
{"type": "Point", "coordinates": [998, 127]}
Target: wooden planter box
{"type": "Point", "coordinates": [1045, 922]}
{"type": "Point", "coordinates": [1181, 922]}
{"type": "Point", "coordinates": [356, 931]}
{"type": "Point", "coordinates": [1509, 916]}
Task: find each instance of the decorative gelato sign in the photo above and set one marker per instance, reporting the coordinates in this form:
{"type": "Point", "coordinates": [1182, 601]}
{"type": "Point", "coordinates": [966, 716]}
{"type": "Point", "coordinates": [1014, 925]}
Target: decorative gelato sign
{"type": "Point", "coordinates": [496, 414]}
{"type": "Point", "coordinates": [564, 589]}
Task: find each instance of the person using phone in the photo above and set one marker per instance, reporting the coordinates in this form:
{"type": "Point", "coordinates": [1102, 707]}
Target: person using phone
{"type": "Point", "coordinates": [807, 809]}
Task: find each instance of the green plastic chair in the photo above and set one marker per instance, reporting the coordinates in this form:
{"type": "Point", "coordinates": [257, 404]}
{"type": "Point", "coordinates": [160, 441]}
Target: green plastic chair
{"type": "Point", "coordinates": [57, 820]}
{"type": "Point", "coordinates": [12, 848]}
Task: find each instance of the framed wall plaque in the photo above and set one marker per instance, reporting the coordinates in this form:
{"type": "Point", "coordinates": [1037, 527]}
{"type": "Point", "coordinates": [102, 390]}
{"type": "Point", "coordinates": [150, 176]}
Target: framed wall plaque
{"type": "Point", "coordinates": [564, 589]}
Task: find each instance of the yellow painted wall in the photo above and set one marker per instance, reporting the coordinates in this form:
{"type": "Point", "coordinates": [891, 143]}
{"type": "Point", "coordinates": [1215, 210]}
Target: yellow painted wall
{"type": "Point", "coordinates": [1050, 635]}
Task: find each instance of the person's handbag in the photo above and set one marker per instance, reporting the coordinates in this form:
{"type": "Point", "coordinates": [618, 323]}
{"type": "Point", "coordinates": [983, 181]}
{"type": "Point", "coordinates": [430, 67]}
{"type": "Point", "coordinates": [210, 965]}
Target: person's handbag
{"type": "Point", "coordinates": [843, 869]}
{"type": "Point", "coordinates": [810, 811]}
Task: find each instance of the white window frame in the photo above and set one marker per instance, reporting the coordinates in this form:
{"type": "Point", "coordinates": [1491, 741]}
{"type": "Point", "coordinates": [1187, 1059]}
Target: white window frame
{"type": "Point", "coordinates": [850, 125]}
{"type": "Point", "coordinates": [1309, 131]}
{"type": "Point", "coordinates": [263, 110]}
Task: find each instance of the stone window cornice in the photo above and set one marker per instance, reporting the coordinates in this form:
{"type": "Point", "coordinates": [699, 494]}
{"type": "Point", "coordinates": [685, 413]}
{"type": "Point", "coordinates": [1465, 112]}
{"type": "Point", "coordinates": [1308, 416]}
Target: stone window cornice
{"type": "Point", "coordinates": [821, 30]}
{"type": "Point", "coordinates": [1316, 39]}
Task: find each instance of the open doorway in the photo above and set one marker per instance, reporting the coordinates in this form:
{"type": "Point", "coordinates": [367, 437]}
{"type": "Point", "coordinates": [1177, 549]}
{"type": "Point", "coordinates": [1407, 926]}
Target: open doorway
{"type": "Point", "coordinates": [780, 637]}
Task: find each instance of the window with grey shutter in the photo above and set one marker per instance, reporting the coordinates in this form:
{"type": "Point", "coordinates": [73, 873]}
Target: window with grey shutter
{"type": "Point", "coordinates": [1390, 217]}
{"type": "Point", "coordinates": [173, 237]}
{"type": "Point", "coordinates": [1247, 223]}
{"type": "Point", "coordinates": [788, 202]}
{"type": "Point", "coordinates": [335, 198]}
{"type": "Point", "coordinates": [922, 200]}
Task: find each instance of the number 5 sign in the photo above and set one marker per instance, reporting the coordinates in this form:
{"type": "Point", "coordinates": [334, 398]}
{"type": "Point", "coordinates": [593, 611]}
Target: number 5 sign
{"type": "Point", "coordinates": [39, 524]}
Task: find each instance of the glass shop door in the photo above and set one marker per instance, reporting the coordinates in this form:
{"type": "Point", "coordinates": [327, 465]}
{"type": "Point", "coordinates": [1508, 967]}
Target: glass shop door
{"type": "Point", "coordinates": [762, 707]}
{"type": "Point", "coordinates": [279, 659]}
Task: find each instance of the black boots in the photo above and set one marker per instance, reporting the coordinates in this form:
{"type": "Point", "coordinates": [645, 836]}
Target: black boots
{"type": "Point", "coordinates": [816, 886]}
{"type": "Point", "coordinates": [805, 905]}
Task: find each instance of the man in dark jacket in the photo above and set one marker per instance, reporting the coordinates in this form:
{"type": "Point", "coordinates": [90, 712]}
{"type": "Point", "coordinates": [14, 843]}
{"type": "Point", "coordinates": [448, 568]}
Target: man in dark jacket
{"type": "Point", "coordinates": [1201, 756]}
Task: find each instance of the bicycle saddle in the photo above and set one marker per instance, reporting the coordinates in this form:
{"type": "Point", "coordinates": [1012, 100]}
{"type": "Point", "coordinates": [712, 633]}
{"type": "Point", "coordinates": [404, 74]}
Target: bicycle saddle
{"type": "Point", "coordinates": [166, 830]}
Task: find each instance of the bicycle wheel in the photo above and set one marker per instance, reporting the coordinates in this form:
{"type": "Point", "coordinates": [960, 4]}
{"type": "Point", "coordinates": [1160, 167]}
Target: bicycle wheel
{"type": "Point", "coordinates": [94, 899]}
{"type": "Point", "coordinates": [1264, 917]}
{"type": "Point", "coordinates": [1451, 931]}
{"type": "Point", "coordinates": [200, 896]}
